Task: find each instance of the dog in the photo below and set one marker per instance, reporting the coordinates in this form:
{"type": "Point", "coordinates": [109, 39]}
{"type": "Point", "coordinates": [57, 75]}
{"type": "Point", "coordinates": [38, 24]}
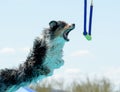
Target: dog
{"type": "Point", "coordinates": [45, 56]}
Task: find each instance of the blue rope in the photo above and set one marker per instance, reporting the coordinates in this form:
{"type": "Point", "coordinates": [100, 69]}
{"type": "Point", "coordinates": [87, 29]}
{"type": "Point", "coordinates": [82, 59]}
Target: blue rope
{"type": "Point", "coordinates": [85, 33]}
{"type": "Point", "coordinates": [90, 19]}
{"type": "Point", "coordinates": [85, 17]}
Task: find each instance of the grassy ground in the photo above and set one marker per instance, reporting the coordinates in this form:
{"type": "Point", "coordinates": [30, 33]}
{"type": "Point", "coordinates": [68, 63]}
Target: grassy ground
{"type": "Point", "coordinates": [103, 85]}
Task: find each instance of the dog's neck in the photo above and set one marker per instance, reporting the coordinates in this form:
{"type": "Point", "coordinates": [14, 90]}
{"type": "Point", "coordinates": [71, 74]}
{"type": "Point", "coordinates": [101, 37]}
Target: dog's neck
{"type": "Point", "coordinates": [58, 42]}
{"type": "Point", "coordinates": [54, 54]}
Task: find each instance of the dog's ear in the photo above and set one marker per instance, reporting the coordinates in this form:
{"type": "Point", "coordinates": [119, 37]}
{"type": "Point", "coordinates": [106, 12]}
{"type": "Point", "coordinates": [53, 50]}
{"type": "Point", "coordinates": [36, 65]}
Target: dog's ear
{"type": "Point", "coordinates": [53, 24]}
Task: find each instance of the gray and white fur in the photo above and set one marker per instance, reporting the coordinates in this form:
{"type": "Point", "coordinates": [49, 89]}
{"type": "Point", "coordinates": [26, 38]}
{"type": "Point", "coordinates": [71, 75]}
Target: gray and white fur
{"type": "Point", "coordinates": [44, 57]}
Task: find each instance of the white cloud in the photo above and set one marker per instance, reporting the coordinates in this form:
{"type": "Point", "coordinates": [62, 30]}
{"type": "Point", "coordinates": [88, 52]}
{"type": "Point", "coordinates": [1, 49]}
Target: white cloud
{"type": "Point", "coordinates": [7, 50]}
{"type": "Point", "coordinates": [80, 53]}
{"type": "Point", "coordinates": [113, 73]}
{"type": "Point", "coordinates": [71, 74]}
{"type": "Point", "coordinates": [25, 49]}
{"type": "Point", "coordinates": [73, 70]}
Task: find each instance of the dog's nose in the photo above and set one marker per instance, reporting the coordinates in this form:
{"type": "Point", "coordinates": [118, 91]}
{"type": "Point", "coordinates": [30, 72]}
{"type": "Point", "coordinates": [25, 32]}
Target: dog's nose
{"type": "Point", "coordinates": [73, 25]}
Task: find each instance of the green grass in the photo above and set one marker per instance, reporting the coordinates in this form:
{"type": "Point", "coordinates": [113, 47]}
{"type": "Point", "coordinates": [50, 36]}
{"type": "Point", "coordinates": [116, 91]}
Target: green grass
{"type": "Point", "coordinates": [102, 85]}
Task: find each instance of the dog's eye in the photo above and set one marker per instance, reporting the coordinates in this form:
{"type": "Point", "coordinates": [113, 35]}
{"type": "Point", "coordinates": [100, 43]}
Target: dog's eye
{"type": "Point", "coordinates": [53, 24]}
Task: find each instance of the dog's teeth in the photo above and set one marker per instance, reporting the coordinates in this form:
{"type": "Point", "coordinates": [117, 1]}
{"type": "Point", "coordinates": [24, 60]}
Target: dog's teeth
{"type": "Point", "coordinates": [65, 36]}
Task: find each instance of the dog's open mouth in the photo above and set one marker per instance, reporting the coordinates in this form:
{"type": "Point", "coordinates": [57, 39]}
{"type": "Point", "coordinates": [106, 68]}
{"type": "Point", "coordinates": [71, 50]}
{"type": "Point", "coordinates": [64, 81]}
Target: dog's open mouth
{"type": "Point", "coordinates": [65, 34]}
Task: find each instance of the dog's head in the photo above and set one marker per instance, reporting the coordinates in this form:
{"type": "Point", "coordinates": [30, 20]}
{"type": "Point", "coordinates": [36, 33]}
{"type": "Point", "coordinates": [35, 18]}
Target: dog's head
{"type": "Point", "coordinates": [60, 29]}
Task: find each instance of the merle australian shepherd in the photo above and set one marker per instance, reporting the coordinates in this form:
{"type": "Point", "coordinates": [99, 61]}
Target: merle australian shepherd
{"type": "Point", "coordinates": [44, 57]}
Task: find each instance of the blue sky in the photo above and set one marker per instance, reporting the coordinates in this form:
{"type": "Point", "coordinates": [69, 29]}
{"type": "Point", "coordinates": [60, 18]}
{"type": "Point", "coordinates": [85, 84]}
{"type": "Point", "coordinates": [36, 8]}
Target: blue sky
{"type": "Point", "coordinates": [22, 20]}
